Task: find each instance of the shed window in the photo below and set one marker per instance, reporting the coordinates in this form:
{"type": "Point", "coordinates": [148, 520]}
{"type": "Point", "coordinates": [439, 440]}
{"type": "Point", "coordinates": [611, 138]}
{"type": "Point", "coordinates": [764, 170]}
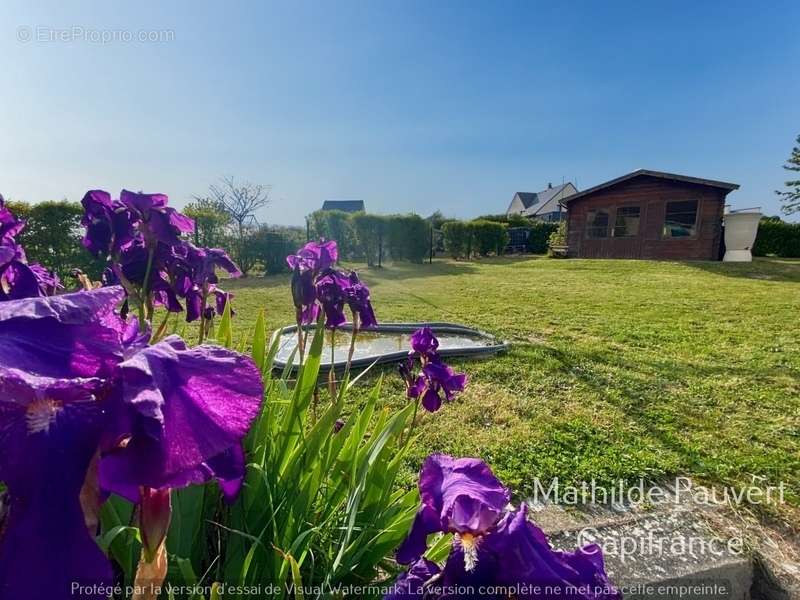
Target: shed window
{"type": "Point", "coordinates": [597, 224]}
{"type": "Point", "coordinates": [680, 219]}
{"type": "Point", "coordinates": [627, 222]}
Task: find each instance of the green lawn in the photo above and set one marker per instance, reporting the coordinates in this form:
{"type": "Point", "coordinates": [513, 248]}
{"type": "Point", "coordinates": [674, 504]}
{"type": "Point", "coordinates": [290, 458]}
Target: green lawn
{"type": "Point", "coordinates": [618, 369]}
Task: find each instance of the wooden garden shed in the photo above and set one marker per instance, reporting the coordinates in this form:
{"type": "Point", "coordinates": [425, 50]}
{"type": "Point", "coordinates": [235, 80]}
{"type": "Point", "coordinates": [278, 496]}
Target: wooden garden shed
{"type": "Point", "coordinates": [648, 214]}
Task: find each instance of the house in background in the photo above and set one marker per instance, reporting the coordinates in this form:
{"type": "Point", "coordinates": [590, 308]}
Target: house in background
{"type": "Point", "coordinates": [544, 205]}
{"type": "Point", "coordinates": [349, 206]}
{"type": "Point", "coordinates": [648, 214]}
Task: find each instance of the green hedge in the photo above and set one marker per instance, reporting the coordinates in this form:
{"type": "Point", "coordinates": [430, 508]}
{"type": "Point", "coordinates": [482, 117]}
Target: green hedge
{"type": "Point", "coordinates": [365, 237]}
{"type": "Point", "coordinates": [271, 245]}
{"type": "Point", "coordinates": [335, 225]}
{"type": "Point", "coordinates": [539, 237]}
{"type": "Point", "coordinates": [369, 231]}
{"type": "Point", "coordinates": [409, 237]}
{"type": "Point", "coordinates": [462, 239]}
{"type": "Point", "coordinates": [777, 238]}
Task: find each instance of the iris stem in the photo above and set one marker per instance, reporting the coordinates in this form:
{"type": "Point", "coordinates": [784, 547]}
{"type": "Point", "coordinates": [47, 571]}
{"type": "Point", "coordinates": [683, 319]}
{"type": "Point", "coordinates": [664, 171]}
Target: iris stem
{"type": "Point", "coordinates": [352, 347]}
{"type": "Point", "coordinates": [129, 288]}
{"type": "Point", "coordinates": [161, 328]}
{"type": "Point", "coordinates": [146, 302]}
{"type": "Point", "coordinates": [406, 440]}
{"type": "Point", "coordinates": [301, 346]}
{"type": "Point", "coordinates": [331, 371]}
{"type": "Point", "coordinates": [202, 336]}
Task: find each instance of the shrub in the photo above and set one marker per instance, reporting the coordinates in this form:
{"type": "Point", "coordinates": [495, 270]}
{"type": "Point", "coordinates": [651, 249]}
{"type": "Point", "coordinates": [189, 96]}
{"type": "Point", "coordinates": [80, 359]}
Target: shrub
{"type": "Point", "coordinates": [510, 220]}
{"type": "Point", "coordinates": [369, 230]}
{"type": "Point", "coordinates": [211, 221]}
{"type": "Point", "coordinates": [53, 235]}
{"type": "Point", "coordinates": [408, 237]}
{"type": "Point", "coordinates": [539, 237]}
{"type": "Point", "coordinates": [558, 237]}
{"type": "Point", "coordinates": [489, 236]}
{"type": "Point", "coordinates": [777, 238]}
{"type": "Point", "coordinates": [335, 225]}
{"type": "Point", "coordinates": [457, 239]}
{"type": "Point", "coordinates": [271, 248]}
{"type": "Point", "coordinates": [462, 238]}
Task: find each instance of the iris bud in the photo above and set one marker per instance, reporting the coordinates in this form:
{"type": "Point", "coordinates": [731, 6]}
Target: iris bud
{"type": "Point", "coordinates": [155, 513]}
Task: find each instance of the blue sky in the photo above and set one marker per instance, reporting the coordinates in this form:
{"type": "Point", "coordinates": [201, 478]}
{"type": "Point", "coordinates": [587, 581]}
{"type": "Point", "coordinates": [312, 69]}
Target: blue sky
{"type": "Point", "coordinates": [410, 106]}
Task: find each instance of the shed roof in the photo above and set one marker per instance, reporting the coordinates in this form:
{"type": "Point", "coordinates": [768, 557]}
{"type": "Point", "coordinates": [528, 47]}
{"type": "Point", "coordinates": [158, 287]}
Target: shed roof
{"type": "Point", "coordinates": [343, 205]}
{"type": "Point", "coordinates": [659, 174]}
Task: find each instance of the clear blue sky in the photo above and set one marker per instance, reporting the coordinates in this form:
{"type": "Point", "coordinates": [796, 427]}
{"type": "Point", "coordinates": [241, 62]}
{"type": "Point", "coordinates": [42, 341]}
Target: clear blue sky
{"type": "Point", "coordinates": [410, 106]}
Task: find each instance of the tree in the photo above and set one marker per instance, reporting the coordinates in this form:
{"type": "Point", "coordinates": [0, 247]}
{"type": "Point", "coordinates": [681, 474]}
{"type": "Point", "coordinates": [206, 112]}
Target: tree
{"type": "Point", "coordinates": [210, 219]}
{"type": "Point", "coordinates": [791, 197]}
{"type": "Point", "coordinates": [240, 200]}
{"type": "Point", "coordinates": [437, 219]}
{"type": "Point", "coordinates": [52, 237]}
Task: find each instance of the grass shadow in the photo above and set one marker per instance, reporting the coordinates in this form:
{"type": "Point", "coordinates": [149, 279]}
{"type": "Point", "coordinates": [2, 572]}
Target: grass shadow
{"type": "Point", "coordinates": [762, 268]}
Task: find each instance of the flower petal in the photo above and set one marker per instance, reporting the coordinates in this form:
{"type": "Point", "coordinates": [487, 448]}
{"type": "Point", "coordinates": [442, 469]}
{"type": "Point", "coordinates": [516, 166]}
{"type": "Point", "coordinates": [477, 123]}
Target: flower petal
{"type": "Point", "coordinates": [410, 585]}
{"type": "Point", "coordinates": [65, 336]}
{"type": "Point", "coordinates": [464, 491]}
{"type": "Point", "coordinates": [414, 546]}
{"type": "Point", "coordinates": [48, 437]}
{"type": "Point", "coordinates": [524, 556]}
{"type": "Point", "coordinates": [183, 408]}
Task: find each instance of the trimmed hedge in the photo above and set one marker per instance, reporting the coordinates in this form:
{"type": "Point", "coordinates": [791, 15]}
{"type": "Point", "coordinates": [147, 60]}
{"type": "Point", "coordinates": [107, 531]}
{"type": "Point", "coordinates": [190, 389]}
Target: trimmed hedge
{"type": "Point", "coordinates": [335, 225]}
{"type": "Point", "coordinates": [363, 236]}
{"type": "Point", "coordinates": [409, 237]}
{"type": "Point", "coordinates": [457, 238]}
{"type": "Point", "coordinates": [463, 238]}
{"type": "Point", "coordinates": [777, 238]}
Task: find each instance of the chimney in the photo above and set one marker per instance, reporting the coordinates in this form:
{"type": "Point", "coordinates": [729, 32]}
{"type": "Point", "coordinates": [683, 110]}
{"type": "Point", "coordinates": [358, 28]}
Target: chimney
{"type": "Point", "coordinates": [549, 186]}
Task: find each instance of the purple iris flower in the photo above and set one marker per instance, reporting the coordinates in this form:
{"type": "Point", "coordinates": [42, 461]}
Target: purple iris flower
{"type": "Point", "coordinates": [424, 342]}
{"type": "Point", "coordinates": [523, 555]}
{"type": "Point", "coordinates": [75, 380]}
{"type": "Point", "coordinates": [316, 285]}
{"type": "Point", "coordinates": [133, 265]}
{"type": "Point", "coordinates": [494, 545]}
{"type": "Point", "coordinates": [221, 300]}
{"type": "Point", "coordinates": [17, 279]}
{"type": "Point", "coordinates": [202, 398]}
{"type": "Point", "coordinates": [158, 221]}
{"type": "Point", "coordinates": [437, 381]}
{"type": "Point", "coordinates": [304, 296]}
{"type": "Point", "coordinates": [330, 290]}
{"type": "Point", "coordinates": [460, 496]}
{"type": "Point", "coordinates": [314, 256]}
{"type": "Point", "coordinates": [49, 283]}
{"type": "Point", "coordinates": [357, 296]}
{"type": "Point", "coordinates": [191, 273]}
{"type": "Point", "coordinates": [411, 584]}
{"type": "Point", "coordinates": [110, 225]}
{"type": "Point", "coordinates": [10, 225]}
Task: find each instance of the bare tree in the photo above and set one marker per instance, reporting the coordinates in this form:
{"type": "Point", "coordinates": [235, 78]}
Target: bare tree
{"type": "Point", "coordinates": [241, 200]}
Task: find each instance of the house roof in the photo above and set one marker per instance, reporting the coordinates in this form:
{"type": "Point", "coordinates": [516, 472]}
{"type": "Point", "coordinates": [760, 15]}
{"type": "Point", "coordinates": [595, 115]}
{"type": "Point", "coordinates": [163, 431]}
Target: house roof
{"type": "Point", "coordinates": [533, 201]}
{"type": "Point", "coordinates": [659, 174]}
{"type": "Point", "coordinates": [343, 205]}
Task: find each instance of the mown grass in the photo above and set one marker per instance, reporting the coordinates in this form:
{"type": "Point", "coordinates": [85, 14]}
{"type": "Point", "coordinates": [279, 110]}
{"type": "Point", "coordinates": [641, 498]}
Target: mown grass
{"type": "Point", "coordinates": [618, 369]}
